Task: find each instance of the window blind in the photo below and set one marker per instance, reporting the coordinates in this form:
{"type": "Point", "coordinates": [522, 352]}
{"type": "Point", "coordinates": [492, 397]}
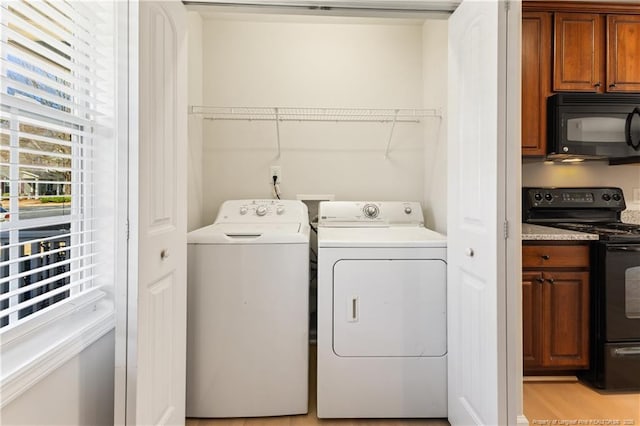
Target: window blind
{"type": "Point", "coordinates": [56, 102]}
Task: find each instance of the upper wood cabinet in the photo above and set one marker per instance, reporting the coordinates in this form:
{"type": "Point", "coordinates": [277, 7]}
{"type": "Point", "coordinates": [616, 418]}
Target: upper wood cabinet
{"type": "Point", "coordinates": [623, 53]}
{"type": "Point", "coordinates": [596, 52]}
{"type": "Point", "coordinates": [574, 46]}
{"type": "Point", "coordinates": [536, 80]}
{"type": "Point", "coordinates": [578, 45]}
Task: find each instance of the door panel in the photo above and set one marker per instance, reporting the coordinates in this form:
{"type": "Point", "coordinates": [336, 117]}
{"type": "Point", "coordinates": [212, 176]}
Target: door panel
{"type": "Point", "coordinates": [156, 305]}
{"type": "Point", "coordinates": [623, 58]}
{"type": "Point", "coordinates": [531, 319]}
{"type": "Point", "coordinates": [578, 51]}
{"type": "Point", "coordinates": [536, 81]}
{"type": "Point", "coordinates": [565, 319]}
{"type": "Point", "coordinates": [389, 308]}
{"type": "Point", "coordinates": [476, 132]}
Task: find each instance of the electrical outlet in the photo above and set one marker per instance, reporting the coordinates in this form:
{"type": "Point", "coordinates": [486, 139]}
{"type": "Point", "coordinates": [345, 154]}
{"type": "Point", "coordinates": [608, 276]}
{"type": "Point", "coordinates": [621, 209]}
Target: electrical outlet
{"type": "Point", "coordinates": [275, 171]}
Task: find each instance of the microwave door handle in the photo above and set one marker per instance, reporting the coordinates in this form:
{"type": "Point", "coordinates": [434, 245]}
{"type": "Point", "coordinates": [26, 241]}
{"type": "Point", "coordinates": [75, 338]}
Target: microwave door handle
{"type": "Point", "coordinates": [627, 129]}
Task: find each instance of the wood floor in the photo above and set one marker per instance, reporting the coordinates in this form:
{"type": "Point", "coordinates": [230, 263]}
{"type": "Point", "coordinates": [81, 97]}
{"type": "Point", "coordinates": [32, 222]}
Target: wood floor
{"type": "Point", "coordinates": [311, 418]}
{"type": "Point", "coordinates": [570, 401]}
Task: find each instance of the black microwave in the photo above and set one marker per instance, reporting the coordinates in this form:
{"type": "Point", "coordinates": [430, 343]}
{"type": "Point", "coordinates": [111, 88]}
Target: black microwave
{"type": "Point", "coordinates": [594, 126]}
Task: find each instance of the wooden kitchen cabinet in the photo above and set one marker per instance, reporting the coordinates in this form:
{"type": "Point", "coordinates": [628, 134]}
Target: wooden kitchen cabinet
{"type": "Point", "coordinates": [536, 81]}
{"type": "Point", "coordinates": [596, 52]}
{"type": "Point", "coordinates": [555, 307]}
{"type": "Point", "coordinates": [574, 47]}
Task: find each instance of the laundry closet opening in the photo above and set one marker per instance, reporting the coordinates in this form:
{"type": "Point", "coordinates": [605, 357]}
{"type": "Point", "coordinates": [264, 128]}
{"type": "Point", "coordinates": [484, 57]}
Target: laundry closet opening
{"type": "Point", "coordinates": [349, 107]}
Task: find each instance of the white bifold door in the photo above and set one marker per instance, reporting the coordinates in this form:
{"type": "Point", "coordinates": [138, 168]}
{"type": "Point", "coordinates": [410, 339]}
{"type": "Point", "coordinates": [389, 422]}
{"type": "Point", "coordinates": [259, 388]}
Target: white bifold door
{"type": "Point", "coordinates": [481, 113]}
{"type": "Point", "coordinates": [153, 392]}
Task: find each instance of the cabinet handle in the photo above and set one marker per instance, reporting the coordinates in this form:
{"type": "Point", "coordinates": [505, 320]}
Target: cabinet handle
{"type": "Point", "coordinates": [545, 257]}
{"type": "Point", "coordinates": [551, 280]}
{"type": "Point", "coordinates": [612, 85]}
{"type": "Point", "coordinates": [597, 84]}
{"type": "Point", "coordinates": [540, 279]}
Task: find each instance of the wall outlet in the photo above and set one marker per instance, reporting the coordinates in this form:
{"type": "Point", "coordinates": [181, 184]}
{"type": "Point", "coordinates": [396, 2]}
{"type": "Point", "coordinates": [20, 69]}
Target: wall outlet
{"type": "Point", "coordinates": [275, 171]}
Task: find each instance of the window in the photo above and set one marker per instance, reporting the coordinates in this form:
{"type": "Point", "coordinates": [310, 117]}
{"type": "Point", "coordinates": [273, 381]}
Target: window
{"type": "Point", "coordinates": [56, 120]}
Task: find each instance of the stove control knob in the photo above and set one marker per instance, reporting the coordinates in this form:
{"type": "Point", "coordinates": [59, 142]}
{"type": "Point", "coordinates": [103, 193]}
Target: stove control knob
{"type": "Point", "coordinates": [616, 197]}
{"type": "Point", "coordinates": [548, 197]}
{"type": "Point", "coordinates": [261, 211]}
{"type": "Point", "coordinates": [407, 210]}
{"type": "Point", "coordinates": [371, 211]}
{"type": "Point", "coordinates": [280, 210]}
{"type": "Point", "coordinates": [538, 196]}
{"type": "Point", "coordinates": [606, 197]}
{"type": "Point", "coordinates": [243, 210]}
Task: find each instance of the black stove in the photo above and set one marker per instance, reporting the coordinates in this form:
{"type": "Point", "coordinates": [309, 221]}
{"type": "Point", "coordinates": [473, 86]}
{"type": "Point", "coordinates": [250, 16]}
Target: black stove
{"type": "Point", "coordinates": [614, 271]}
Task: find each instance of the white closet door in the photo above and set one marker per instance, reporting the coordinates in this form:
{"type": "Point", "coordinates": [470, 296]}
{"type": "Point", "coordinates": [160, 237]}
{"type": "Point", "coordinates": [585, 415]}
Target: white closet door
{"type": "Point", "coordinates": [156, 300]}
{"type": "Point", "coordinates": [476, 268]}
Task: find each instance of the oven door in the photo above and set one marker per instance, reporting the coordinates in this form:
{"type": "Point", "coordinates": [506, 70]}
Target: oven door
{"type": "Point", "coordinates": [622, 291]}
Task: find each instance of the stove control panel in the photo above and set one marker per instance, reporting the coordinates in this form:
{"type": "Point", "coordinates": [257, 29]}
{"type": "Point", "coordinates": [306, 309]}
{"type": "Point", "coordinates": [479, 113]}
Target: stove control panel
{"type": "Point", "coordinates": [567, 198]}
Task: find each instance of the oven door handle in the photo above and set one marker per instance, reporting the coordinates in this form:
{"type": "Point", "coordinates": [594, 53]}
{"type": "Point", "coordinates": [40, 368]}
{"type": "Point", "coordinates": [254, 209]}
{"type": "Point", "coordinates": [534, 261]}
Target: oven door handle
{"type": "Point", "coordinates": [625, 249]}
{"type": "Point", "coordinates": [635, 351]}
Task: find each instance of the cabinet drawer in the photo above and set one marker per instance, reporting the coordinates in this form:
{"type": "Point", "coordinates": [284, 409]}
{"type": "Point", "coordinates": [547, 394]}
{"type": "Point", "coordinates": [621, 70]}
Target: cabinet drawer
{"type": "Point", "coordinates": [555, 256]}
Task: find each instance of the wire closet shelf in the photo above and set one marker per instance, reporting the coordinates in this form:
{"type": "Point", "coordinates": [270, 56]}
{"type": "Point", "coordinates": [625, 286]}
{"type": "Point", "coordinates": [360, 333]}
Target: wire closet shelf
{"type": "Point", "coordinates": [337, 115]}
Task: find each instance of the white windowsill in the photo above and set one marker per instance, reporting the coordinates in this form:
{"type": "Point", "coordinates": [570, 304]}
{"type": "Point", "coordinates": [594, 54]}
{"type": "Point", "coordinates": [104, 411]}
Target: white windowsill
{"type": "Point", "coordinates": [26, 359]}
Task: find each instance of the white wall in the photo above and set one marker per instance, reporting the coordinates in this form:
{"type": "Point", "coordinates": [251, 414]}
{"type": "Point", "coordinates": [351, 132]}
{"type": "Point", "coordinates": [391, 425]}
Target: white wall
{"type": "Point", "coordinates": [434, 71]}
{"type": "Point", "coordinates": [595, 173]}
{"type": "Point", "coordinates": [80, 392]}
{"type": "Point", "coordinates": [194, 177]}
{"type": "Point", "coordinates": [316, 62]}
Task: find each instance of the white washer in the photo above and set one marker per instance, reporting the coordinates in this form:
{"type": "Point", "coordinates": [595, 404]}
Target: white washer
{"type": "Point", "coordinates": [382, 332]}
{"type": "Point", "coordinates": [248, 311]}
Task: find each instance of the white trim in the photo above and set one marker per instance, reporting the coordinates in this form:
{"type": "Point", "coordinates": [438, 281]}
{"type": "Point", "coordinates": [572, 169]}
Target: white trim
{"type": "Point", "coordinates": [523, 421]}
{"type": "Point", "coordinates": [31, 357]}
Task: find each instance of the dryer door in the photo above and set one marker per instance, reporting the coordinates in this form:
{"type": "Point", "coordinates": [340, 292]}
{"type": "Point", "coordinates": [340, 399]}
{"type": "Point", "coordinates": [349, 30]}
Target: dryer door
{"type": "Point", "coordinates": [389, 307]}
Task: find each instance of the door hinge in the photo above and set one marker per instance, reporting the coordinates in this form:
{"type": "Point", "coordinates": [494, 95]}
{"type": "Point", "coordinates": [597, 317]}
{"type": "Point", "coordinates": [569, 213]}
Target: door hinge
{"type": "Point", "coordinates": [507, 5]}
{"type": "Point", "coordinates": [127, 229]}
{"type": "Point", "coordinates": [505, 229]}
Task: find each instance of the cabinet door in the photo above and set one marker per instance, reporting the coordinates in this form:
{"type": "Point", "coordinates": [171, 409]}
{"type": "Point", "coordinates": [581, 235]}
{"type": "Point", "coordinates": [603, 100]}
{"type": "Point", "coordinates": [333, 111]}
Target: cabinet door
{"type": "Point", "coordinates": [531, 319]}
{"type": "Point", "coordinates": [536, 81]}
{"type": "Point", "coordinates": [578, 52]}
{"type": "Point", "coordinates": [623, 54]}
{"type": "Point", "coordinates": [565, 320]}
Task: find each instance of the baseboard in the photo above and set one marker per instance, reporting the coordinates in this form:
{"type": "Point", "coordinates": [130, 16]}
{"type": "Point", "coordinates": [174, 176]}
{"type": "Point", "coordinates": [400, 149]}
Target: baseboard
{"type": "Point", "coordinates": [522, 420]}
{"type": "Point", "coordinates": [546, 379]}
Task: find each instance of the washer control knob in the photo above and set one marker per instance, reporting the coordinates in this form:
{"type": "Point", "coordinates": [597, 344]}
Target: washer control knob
{"type": "Point", "coordinates": [371, 211]}
{"type": "Point", "coordinates": [280, 210]}
{"type": "Point", "coordinates": [408, 210]}
{"type": "Point", "coordinates": [243, 210]}
{"type": "Point", "coordinates": [261, 210]}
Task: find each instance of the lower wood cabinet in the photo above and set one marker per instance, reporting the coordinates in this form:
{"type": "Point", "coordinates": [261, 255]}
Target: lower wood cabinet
{"type": "Point", "coordinates": [555, 308]}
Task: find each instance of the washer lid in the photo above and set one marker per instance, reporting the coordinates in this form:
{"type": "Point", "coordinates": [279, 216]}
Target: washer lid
{"type": "Point", "coordinates": [400, 236]}
{"type": "Point", "coordinates": [249, 233]}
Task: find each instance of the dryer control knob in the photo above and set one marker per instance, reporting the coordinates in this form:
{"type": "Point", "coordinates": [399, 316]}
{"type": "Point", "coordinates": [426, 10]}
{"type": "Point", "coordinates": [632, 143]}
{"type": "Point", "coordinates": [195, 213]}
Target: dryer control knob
{"type": "Point", "coordinates": [371, 210]}
{"type": "Point", "coordinates": [261, 210]}
{"type": "Point", "coordinates": [280, 210]}
{"type": "Point", "coordinates": [243, 210]}
{"type": "Point", "coordinates": [407, 210]}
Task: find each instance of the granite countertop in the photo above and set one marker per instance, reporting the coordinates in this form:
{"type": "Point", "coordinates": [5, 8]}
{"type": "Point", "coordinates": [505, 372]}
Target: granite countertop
{"type": "Point", "coordinates": [537, 232]}
{"type": "Point", "coordinates": [631, 216]}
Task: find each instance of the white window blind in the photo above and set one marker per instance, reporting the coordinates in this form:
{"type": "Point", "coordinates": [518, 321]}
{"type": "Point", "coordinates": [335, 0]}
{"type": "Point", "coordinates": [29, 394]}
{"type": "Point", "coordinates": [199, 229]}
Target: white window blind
{"type": "Point", "coordinates": [56, 109]}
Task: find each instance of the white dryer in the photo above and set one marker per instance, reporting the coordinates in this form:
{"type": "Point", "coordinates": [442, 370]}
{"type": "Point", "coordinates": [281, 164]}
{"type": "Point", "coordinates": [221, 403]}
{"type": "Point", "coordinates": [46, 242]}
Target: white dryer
{"type": "Point", "coordinates": [382, 332]}
{"type": "Point", "coordinates": [248, 311]}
